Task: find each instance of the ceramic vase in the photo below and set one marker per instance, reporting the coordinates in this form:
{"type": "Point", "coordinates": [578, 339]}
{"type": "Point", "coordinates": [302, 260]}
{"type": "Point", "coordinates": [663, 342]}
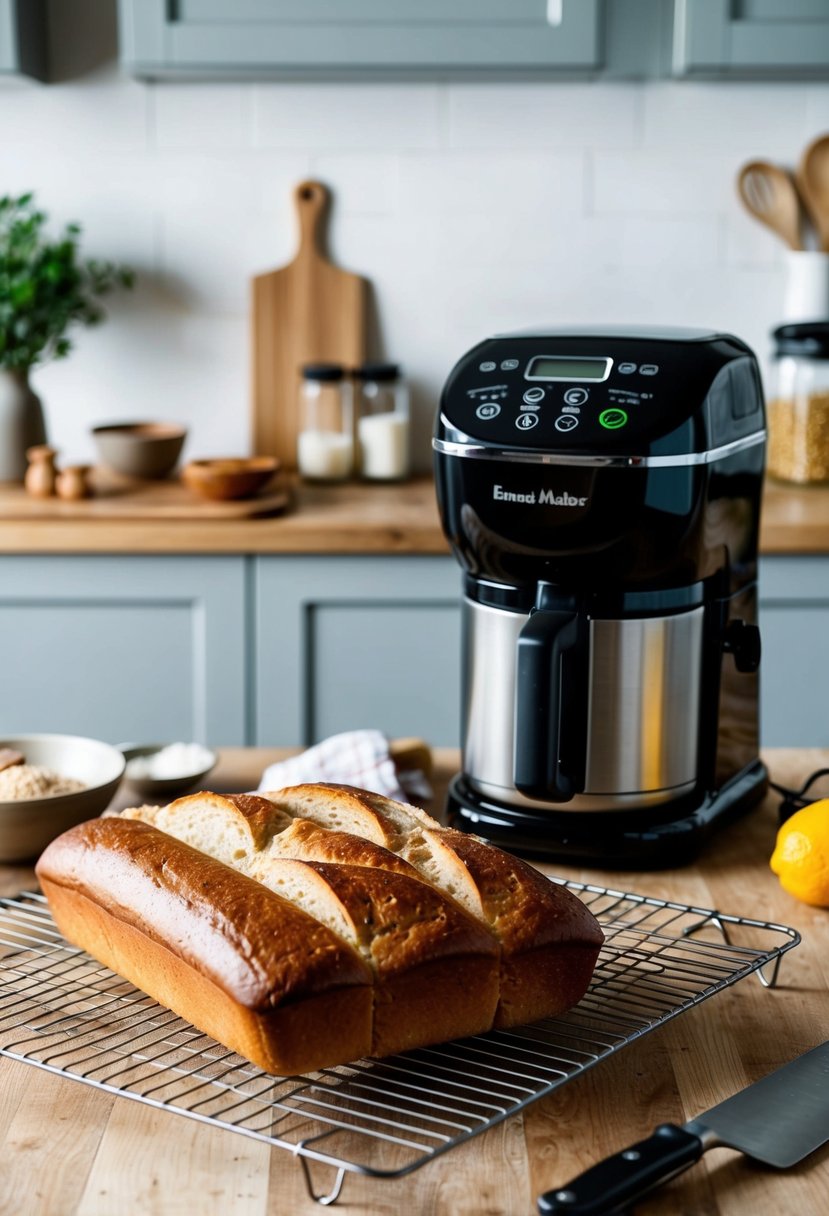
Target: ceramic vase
{"type": "Point", "coordinates": [21, 422]}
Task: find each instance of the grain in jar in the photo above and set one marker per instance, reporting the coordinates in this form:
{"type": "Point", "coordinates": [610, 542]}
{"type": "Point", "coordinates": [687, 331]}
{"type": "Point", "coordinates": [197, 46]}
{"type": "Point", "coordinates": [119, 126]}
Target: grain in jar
{"type": "Point", "coordinates": [798, 412]}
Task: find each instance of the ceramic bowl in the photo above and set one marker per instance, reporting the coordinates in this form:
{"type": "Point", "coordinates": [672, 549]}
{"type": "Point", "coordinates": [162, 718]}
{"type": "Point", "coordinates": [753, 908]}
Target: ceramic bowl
{"type": "Point", "coordinates": [140, 449]}
{"type": "Point", "coordinates": [161, 788]}
{"type": "Point", "coordinates": [27, 825]}
{"type": "Point", "coordinates": [229, 478]}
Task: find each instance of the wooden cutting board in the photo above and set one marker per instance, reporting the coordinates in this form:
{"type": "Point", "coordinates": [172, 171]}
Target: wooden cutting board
{"type": "Point", "coordinates": [309, 311]}
{"type": "Point", "coordinates": [114, 498]}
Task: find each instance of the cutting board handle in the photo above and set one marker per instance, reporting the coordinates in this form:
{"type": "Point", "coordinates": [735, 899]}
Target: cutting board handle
{"type": "Point", "coordinates": [311, 201]}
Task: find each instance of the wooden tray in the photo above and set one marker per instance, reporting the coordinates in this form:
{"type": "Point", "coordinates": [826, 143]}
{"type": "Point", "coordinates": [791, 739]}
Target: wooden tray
{"type": "Point", "coordinates": [167, 499]}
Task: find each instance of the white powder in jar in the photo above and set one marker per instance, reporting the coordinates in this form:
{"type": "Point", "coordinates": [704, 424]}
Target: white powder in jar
{"type": "Point", "coordinates": [23, 781]}
{"type": "Point", "coordinates": [175, 760]}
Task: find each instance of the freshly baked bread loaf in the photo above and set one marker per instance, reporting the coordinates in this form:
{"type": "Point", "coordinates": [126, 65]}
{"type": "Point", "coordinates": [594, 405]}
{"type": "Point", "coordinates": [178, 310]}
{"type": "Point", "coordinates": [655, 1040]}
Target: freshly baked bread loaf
{"type": "Point", "coordinates": [221, 950]}
{"type": "Point", "coordinates": [548, 940]}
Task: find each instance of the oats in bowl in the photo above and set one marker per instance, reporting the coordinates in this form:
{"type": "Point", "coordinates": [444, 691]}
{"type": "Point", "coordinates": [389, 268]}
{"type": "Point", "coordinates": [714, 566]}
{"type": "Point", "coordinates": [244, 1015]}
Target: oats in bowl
{"type": "Point", "coordinates": [23, 781]}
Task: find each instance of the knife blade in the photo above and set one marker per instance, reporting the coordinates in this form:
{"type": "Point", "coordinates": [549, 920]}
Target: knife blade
{"type": "Point", "coordinates": [778, 1121]}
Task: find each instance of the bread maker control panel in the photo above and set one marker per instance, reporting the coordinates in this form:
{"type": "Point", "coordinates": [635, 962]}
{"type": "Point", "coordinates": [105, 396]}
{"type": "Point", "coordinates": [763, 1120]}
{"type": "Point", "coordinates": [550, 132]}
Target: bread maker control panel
{"type": "Point", "coordinates": [565, 392]}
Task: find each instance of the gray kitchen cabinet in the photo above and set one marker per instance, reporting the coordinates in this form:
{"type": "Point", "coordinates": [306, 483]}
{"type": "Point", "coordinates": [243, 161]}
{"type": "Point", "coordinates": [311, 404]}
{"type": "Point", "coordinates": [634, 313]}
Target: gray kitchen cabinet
{"type": "Point", "coordinates": [751, 37]}
{"type": "Point", "coordinates": [794, 624]}
{"type": "Point", "coordinates": [140, 649]}
{"type": "Point", "coordinates": [272, 38]}
{"type": "Point", "coordinates": [349, 642]}
{"type": "Point", "coordinates": [286, 650]}
{"type": "Point", "coordinates": [23, 38]}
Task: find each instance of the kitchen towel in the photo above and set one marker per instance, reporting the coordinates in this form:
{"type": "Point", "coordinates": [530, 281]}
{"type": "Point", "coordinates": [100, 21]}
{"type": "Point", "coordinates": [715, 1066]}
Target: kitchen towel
{"type": "Point", "coordinates": [357, 757]}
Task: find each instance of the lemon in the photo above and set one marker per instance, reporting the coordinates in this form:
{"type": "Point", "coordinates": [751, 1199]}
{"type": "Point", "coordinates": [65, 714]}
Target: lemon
{"type": "Point", "coordinates": [801, 855]}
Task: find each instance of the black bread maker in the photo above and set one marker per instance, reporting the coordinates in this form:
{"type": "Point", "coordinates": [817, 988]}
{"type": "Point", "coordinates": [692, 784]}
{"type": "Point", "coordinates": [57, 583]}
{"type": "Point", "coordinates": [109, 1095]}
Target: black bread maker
{"type": "Point", "coordinates": [601, 491]}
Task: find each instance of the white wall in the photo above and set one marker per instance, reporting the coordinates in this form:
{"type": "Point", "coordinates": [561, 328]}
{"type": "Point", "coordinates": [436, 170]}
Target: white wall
{"type": "Point", "coordinates": [471, 207]}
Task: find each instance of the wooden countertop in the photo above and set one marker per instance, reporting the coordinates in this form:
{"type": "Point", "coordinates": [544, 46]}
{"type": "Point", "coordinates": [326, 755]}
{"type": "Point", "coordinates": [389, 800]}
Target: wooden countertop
{"type": "Point", "coordinates": [347, 519]}
{"type": "Point", "coordinates": [69, 1150]}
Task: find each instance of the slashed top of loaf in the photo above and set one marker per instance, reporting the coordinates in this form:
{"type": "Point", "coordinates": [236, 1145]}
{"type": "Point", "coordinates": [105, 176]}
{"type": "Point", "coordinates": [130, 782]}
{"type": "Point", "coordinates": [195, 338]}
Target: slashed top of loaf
{"type": "Point", "coordinates": [397, 921]}
{"type": "Point", "coordinates": [414, 837]}
{"type": "Point", "coordinates": [260, 949]}
{"type": "Point", "coordinates": [339, 807]}
{"type": "Point", "coordinates": [525, 908]}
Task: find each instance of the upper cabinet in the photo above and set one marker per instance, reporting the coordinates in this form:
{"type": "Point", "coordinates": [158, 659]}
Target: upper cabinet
{"type": "Point", "coordinates": [751, 37]}
{"type": "Point", "coordinates": [23, 38]}
{"type": "Point", "coordinates": [457, 39]}
{"type": "Point", "coordinates": [306, 38]}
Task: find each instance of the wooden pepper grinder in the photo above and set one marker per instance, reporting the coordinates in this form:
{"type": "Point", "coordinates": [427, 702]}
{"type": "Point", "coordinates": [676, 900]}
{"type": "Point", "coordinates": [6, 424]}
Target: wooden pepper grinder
{"type": "Point", "coordinates": [71, 482]}
{"type": "Point", "coordinates": [41, 474]}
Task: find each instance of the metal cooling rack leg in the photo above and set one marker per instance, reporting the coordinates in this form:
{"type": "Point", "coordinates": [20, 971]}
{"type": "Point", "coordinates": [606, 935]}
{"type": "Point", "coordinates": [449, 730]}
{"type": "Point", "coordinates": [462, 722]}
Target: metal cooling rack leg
{"type": "Point", "coordinates": [767, 980]}
{"type": "Point", "coordinates": [324, 1200]}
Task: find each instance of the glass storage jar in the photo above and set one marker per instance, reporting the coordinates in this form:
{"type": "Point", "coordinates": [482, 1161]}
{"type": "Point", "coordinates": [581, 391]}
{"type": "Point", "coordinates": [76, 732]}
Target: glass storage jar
{"type": "Point", "coordinates": [325, 442]}
{"type": "Point", "coordinates": [383, 422]}
{"type": "Point", "coordinates": [799, 403]}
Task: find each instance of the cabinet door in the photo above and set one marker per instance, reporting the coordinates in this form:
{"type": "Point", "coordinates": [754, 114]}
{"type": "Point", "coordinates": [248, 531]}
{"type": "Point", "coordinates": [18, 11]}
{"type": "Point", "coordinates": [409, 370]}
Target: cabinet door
{"type": "Point", "coordinates": [344, 643]}
{"type": "Point", "coordinates": [138, 649]}
{"type": "Point", "coordinates": [307, 37]}
{"type": "Point", "coordinates": [23, 38]}
{"type": "Point", "coordinates": [794, 673]}
{"type": "Point", "coordinates": [759, 37]}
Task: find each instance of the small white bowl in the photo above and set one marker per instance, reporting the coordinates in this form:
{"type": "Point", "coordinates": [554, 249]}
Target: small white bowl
{"type": "Point", "coordinates": [27, 825]}
{"type": "Point", "coordinates": [162, 787]}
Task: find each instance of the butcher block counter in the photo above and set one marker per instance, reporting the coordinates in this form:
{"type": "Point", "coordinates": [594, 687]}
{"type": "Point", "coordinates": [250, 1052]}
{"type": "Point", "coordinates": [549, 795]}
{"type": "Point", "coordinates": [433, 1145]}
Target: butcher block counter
{"type": "Point", "coordinates": [66, 1148]}
{"type": "Point", "coordinates": [341, 519]}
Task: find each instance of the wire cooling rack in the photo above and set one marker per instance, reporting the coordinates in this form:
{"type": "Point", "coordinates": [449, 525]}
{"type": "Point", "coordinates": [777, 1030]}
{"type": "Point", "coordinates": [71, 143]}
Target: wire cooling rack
{"type": "Point", "coordinates": [63, 1012]}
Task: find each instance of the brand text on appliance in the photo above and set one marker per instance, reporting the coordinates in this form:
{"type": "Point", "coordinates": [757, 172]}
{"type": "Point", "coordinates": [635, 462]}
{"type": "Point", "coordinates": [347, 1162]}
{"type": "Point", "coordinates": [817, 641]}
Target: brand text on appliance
{"type": "Point", "coordinates": [547, 498]}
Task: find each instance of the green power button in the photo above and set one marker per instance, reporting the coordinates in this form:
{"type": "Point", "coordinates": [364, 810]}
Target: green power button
{"type": "Point", "coordinates": [613, 419]}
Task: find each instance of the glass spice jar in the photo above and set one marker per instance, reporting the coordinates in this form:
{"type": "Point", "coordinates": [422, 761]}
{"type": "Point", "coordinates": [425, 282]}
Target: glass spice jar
{"type": "Point", "coordinates": [798, 412]}
{"type": "Point", "coordinates": [383, 422]}
{"type": "Point", "coordinates": [325, 441]}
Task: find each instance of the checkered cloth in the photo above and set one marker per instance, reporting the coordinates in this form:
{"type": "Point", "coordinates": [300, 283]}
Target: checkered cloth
{"type": "Point", "coordinates": [357, 757]}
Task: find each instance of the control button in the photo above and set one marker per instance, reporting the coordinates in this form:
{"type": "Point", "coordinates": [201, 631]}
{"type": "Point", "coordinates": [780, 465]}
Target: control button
{"type": "Point", "coordinates": [626, 368]}
{"type": "Point", "coordinates": [576, 396]}
{"type": "Point", "coordinates": [488, 410]}
{"type": "Point", "coordinates": [566, 422]}
{"type": "Point", "coordinates": [509, 365]}
{"type": "Point", "coordinates": [612, 419]}
{"type": "Point", "coordinates": [489, 366]}
{"type": "Point", "coordinates": [534, 394]}
{"type": "Point", "coordinates": [526, 422]}
{"type": "Point", "coordinates": [648, 369]}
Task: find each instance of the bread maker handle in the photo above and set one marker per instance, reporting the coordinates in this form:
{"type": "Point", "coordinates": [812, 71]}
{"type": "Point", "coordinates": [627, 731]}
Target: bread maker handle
{"type": "Point", "coordinates": [551, 705]}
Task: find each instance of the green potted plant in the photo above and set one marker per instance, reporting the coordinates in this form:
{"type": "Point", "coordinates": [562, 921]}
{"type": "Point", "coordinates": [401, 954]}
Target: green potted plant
{"type": "Point", "coordinates": [45, 290]}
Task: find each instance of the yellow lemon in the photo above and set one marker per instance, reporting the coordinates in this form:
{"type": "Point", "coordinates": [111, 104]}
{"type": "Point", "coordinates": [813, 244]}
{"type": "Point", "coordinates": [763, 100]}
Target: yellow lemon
{"type": "Point", "coordinates": [801, 855]}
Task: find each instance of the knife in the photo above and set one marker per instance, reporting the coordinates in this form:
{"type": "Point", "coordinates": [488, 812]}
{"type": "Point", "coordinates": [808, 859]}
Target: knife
{"type": "Point", "coordinates": [779, 1120]}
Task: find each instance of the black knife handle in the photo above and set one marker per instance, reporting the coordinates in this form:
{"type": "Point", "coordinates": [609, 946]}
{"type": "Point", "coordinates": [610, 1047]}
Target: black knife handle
{"type": "Point", "coordinates": [619, 1180]}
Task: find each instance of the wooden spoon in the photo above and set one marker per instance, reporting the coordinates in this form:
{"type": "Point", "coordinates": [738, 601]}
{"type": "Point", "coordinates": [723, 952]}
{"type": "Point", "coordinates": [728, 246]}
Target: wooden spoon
{"type": "Point", "coordinates": [813, 183]}
{"type": "Point", "coordinates": [9, 757]}
{"type": "Point", "coordinates": [768, 193]}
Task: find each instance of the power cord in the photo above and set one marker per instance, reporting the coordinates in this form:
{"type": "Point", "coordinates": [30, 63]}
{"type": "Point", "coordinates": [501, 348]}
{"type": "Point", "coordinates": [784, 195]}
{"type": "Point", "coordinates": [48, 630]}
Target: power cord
{"type": "Point", "coordinates": [795, 800]}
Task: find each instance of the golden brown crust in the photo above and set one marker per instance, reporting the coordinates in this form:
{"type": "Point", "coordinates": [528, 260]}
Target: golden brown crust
{"type": "Point", "coordinates": [524, 907]}
{"type": "Point", "coordinates": [294, 1038]}
{"type": "Point", "coordinates": [258, 948]}
{"type": "Point", "coordinates": [307, 841]}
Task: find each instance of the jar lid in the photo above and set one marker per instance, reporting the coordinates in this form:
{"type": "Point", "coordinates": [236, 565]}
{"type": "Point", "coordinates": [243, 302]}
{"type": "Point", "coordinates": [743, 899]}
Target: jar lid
{"type": "Point", "coordinates": [378, 371]}
{"type": "Point", "coordinates": [323, 371]}
{"type": "Point", "coordinates": [807, 338]}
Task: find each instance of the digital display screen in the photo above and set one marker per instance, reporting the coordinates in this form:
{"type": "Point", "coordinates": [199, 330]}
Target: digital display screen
{"type": "Point", "coordinates": [550, 367]}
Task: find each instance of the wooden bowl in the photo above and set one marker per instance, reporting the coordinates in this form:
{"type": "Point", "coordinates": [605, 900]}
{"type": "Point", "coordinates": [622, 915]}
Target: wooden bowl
{"type": "Point", "coordinates": [228, 477]}
{"type": "Point", "coordinates": [140, 449]}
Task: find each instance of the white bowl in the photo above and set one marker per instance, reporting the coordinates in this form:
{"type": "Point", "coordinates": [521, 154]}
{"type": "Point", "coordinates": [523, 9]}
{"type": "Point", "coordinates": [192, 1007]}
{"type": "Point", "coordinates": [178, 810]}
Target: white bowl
{"type": "Point", "coordinates": [27, 825]}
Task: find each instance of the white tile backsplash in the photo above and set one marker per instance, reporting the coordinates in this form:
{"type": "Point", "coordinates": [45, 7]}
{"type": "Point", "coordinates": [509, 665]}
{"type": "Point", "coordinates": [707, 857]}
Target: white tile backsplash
{"type": "Point", "coordinates": [471, 207]}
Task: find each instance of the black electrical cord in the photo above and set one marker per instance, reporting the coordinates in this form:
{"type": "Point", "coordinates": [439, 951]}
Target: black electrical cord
{"type": "Point", "coordinates": [795, 800]}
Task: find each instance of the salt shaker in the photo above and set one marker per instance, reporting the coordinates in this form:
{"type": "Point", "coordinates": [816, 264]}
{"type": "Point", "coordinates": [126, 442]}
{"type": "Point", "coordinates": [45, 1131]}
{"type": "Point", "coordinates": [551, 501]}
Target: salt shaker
{"type": "Point", "coordinates": [383, 422]}
{"type": "Point", "coordinates": [325, 443]}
